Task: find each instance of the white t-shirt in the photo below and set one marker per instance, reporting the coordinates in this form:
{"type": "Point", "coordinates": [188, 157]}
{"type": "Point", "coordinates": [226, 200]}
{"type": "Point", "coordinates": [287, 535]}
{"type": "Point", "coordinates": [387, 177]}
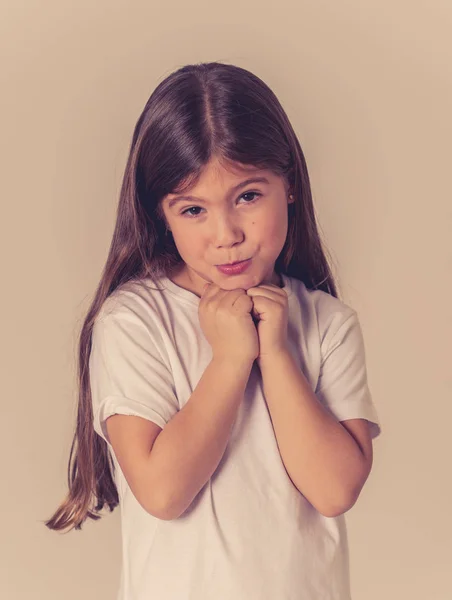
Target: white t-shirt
{"type": "Point", "coordinates": [249, 534]}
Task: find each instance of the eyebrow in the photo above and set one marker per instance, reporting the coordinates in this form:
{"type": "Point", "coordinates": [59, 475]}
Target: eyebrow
{"type": "Point", "coordinates": [181, 198]}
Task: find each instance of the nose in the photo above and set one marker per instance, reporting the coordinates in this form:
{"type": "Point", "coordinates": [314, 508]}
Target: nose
{"type": "Point", "coordinates": [228, 232]}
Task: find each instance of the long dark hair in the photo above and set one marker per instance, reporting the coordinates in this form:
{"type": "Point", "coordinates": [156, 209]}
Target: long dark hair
{"type": "Point", "coordinates": [198, 112]}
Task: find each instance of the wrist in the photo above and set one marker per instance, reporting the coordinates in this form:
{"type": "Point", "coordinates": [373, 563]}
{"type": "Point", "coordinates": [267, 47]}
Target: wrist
{"type": "Point", "coordinates": [234, 363]}
{"type": "Point", "coordinates": [274, 356]}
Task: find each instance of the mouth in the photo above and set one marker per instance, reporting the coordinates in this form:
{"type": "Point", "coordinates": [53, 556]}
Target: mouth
{"type": "Point", "coordinates": [234, 268]}
{"type": "Point", "coordinates": [237, 262]}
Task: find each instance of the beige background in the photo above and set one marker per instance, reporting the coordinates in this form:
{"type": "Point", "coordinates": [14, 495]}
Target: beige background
{"type": "Point", "coordinates": [368, 88]}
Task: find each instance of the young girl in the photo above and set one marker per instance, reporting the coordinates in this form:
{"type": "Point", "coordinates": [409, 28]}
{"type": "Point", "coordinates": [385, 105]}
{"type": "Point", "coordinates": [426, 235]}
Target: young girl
{"type": "Point", "coordinates": [225, 408]}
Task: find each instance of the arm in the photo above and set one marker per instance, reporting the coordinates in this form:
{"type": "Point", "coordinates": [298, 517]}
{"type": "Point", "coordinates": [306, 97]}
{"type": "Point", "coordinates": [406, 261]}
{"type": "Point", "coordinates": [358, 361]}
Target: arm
{"type": "Point", "coordinates": [188, 449]}
{"type": "Point", "coordinates": [320, 455]}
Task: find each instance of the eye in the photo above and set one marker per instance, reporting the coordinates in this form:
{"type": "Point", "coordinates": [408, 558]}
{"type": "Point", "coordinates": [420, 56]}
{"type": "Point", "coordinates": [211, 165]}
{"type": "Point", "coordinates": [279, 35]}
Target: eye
{"type": "Point", "coordinates": [190, 215]}
{"type": "Point", "coordinates": [252, 194]}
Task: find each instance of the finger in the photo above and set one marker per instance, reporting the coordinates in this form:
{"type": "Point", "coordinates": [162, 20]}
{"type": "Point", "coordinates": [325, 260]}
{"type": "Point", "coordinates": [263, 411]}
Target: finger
{"type": "Point", "coordinates": [262, 305]}
{"type": "Point", "coordinates": [270, 287]}
{"type": "Point", "coordinates": [266, 293]}
{"type": "Point", "coordinates": [210, 288]}
{"type": "Point", "coordinates": [209, 292]}
{"type": "Point", "coordinates": [231, 296]}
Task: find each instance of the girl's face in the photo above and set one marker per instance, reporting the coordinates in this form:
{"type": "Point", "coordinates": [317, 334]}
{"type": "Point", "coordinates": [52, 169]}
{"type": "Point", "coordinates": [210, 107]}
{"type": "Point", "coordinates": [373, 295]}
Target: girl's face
{"type": "Point", "coordinates": [225, 220]}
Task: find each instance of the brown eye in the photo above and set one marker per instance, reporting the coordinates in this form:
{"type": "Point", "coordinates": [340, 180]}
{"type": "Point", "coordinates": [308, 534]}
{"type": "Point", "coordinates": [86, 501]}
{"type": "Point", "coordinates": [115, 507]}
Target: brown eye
{"type": "Point", "coordinates": [250, 194]}
{"type": "Point", "coordinates": [191, 215]}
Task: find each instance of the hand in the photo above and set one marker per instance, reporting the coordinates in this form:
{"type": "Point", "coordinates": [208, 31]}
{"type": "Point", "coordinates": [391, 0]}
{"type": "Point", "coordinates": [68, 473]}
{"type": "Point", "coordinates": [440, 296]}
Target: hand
{"type": "Point", "coordinates": [271, 310]}
{"type": "Point", "coordinates": [226, 321]}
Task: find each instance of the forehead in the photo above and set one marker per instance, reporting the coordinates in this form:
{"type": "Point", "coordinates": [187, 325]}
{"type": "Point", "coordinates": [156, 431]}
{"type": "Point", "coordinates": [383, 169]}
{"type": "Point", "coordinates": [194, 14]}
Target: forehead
{"type": "Point", "coordinates": [216, 171]}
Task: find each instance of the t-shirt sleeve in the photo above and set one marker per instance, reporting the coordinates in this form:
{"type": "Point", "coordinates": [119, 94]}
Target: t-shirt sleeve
{"type": "Point", "coordinates": [129, 374]}
{"type": "Point", "coordinates": [342, 385]}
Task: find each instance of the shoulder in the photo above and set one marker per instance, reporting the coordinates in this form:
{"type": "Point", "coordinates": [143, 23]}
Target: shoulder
{"type": "Point", "coordinates": [330, 313]}
{"type": "Point", "coordinates": [135, 301]}
{"type": "Point", "coordinates": [131, 322]}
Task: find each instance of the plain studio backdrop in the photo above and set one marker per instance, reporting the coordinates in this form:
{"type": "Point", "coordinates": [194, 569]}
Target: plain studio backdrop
{"type": "Point", "coordinates": [368, 88]}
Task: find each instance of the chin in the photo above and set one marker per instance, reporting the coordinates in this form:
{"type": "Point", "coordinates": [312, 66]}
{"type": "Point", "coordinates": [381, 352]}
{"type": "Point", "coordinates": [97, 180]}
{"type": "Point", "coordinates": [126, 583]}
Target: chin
{"type": "Point", "coordinates": [243, 281]}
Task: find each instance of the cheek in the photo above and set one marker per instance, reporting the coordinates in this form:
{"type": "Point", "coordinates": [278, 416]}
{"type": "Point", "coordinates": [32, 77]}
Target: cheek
{"type": "Point", "coordinates": [188, 245]}
{"type": "Point", "coordinates": [272, 231]}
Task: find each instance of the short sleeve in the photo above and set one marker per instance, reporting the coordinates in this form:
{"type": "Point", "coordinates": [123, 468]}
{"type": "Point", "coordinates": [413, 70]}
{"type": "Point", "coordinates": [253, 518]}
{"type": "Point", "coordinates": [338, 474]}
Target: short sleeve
{"type": "Point", "coordinates": [128, 372]}
{"type": "Point", "coordinates": [342, 386]}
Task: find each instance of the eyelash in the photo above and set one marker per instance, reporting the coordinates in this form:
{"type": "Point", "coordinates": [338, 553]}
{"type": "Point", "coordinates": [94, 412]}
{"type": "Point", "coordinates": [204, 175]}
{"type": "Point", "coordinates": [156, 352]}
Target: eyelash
{"type": "Point", "coordinates": [191, 216]}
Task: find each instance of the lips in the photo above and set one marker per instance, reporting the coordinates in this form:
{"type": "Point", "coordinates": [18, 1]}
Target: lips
{"type": "Point", "coordinates": [237, 262]}
{"type": "Point", "coordinates": [235, 268]}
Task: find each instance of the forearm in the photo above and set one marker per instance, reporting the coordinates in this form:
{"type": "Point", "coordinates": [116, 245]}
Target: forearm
{"type": "Point", "coordinates": [321, 457]}
{"type": "Point", "coordinates": [190, 446]}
